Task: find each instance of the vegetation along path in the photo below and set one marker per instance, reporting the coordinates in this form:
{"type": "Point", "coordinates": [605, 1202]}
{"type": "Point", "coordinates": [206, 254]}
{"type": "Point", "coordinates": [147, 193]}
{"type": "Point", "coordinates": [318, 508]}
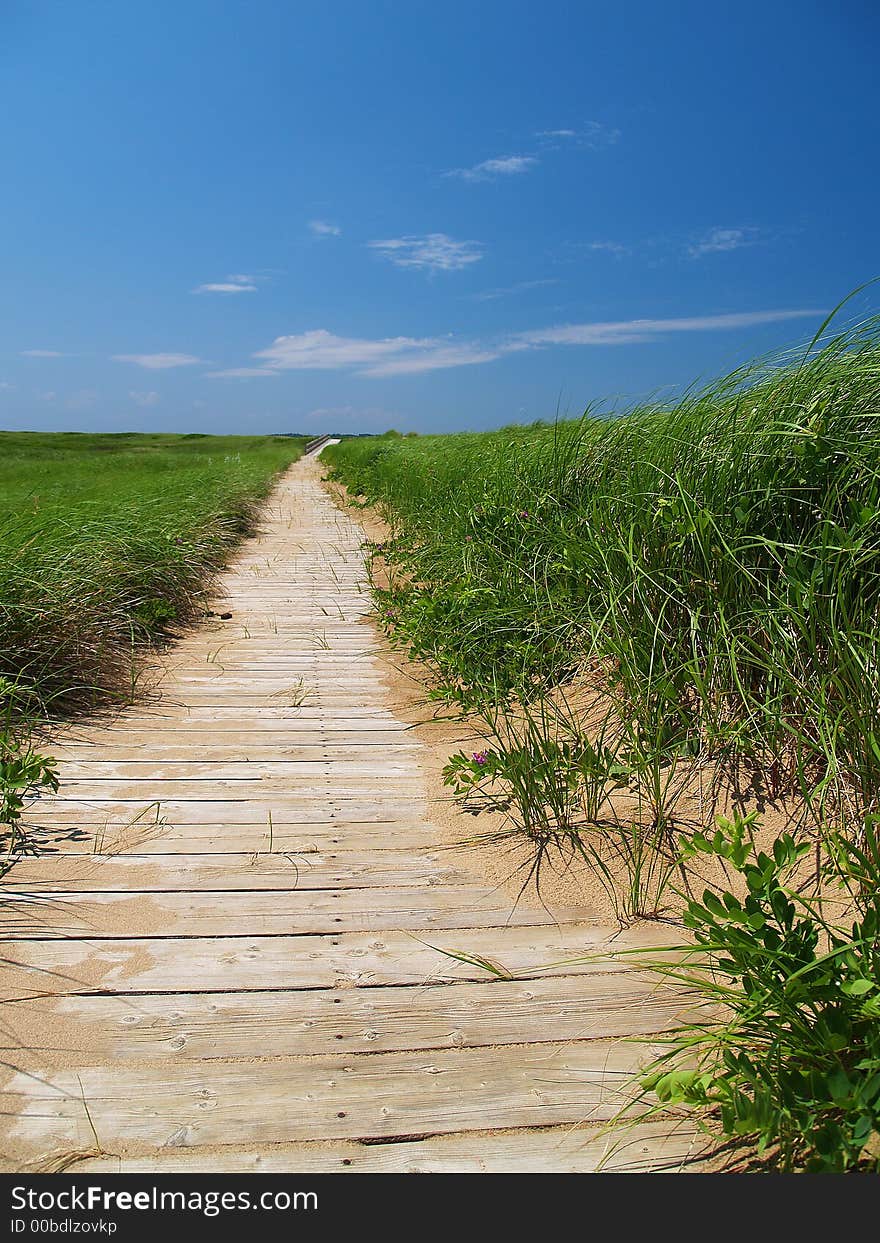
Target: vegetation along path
{"type": "Point", "coordinates": [229, 954]}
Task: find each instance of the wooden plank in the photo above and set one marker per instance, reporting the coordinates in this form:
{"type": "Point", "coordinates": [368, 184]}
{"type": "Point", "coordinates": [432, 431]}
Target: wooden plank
{"type": "Point", "coordinates": [357, 959]}
{"type": "Point", "coordinates": [197, 1026]}
{"type": "Point", "coordinates": [381, 1095]}
{"type": "Point", "coordinates": [213, 748]}
{"type": "Point", "coordinates": [263, 912]}
{"type": "Point", "coordinates": [290, 810]}
{"type": "Point", "coordinates": [211, 839]}
{"type": "Point", "coordinates": [267, 790]}
{"type": "Point", "coordinates": [400, 772]}
{"type": "Point", "coordinates": [265, 869]}
{"type": "Point", "coordinates": [667, 1144]}
{"type": "Point", "coordinates": [261, 715]}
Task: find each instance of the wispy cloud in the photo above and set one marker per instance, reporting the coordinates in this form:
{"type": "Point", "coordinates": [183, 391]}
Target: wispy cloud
{"type": "Point", "coordinates": [610, 248]}
{"type": "Point", "coordinates": [631, 331]}
{"type": "Point", "coordinates": [141, 398]}
{"type": "Point", "coordinates": [324, 228]}
{"type": "Point", "coordinates": [158, 362]}
{"type": "Point", "coordinates": [320, 350]}
{"type": "Point", "coordinates": [43, 354]}
{"type": "Point", "coordinates": [721, 239]}
{"type": "Point", "coordinates": [241, 373]}
{"type": "Point", "coordinates": [4, 384]}
{"type": "Point", "coordinates": [666, 248]}
{"type": "Point", "coordinates": [592, 135]}
{"type": "Point", "coordinates": [434, 356]}
{"type": "Point", "coordinates": [432, 252]}
{"type": "Point", "coordinates": [232, 284]}
{"type": "Point", "coordinates": [490, 295]}
{"type": "Point", "coordinates": [498, 166]}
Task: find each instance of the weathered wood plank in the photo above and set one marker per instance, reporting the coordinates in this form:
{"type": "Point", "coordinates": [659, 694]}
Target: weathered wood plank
{"type": "Point", "coordinates": [358, 959]}
{"type": "Point", "coordinates": [196, 1026]}
{"type": "Point", "coordinates": [268, 790]}
{"type": "Point", "coordinates": [281, 742]}
{"type": "Point", "coordinates": [382, 1095]}
{"type": "Point", "coordinates": [668, 1144]}
{"type": "Point", "coordinates": [195, 872]}
{"type": "Point", "coordinates": [400, 772]}
{"type": "Point", "coordinates": [168, 839]}
{"type": "Point", "coordinates": [288, 809]}
{"type": "Point", "coordinates": [268, 912]}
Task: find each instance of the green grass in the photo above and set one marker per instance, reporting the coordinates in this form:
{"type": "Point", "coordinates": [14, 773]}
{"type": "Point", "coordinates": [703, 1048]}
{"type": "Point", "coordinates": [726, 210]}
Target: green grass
{"type": "Point", "coordinates": [679, 593]}
{"type": "Point", "coordinates": [106, 544]}
{"type": "Point", "coordinates": [711, 569]}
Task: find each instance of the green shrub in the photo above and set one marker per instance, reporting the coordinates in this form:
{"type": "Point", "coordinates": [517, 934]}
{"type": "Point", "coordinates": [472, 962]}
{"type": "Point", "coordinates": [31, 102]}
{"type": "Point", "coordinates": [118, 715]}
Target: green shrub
{"type": "Point", "coordinates": [785, 1063]}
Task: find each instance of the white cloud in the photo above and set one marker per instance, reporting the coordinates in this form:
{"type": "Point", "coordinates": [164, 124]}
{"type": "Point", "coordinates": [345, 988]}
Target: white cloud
{"type": "Point", "coordinates": [320, 350]}
{"type": "Point", "coordinates": [43, 354]}
{"type": "Point", "coordinates": [158, 362]}
{"type": "Point", "coordinates": [610, 248]}
{"type": "Point", "coordinates": [490, 295]}
{"type": "Point", "coordinates": [719, 239]}
{"type": "Point", "coordinates": [499, 166]}
{"type": "Point", "coordinates": [241, 373]}
{"type": "Point", "coordinates": [433, 252]}
{"type": "Point", "coordinates": [50, 396]}
{"type": "Point", "coordinates": [324, 228]}
{"type": "Point", "coordinates": [434, 356]}
{"type": "Point", "coordinates": [628, 332]}
{"type": "Point", "coordinates": [232, 284]}
{"type": "Point", "coordinates": [593, 135]}
{"type": "Point", "coordinates": [143, 399]}
{"type": "Point", "coordinates": [4, 384]}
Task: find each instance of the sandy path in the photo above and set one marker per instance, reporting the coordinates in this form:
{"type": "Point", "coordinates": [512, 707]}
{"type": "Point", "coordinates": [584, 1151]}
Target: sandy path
{"type": "Point", "coordinates": [231, 957]}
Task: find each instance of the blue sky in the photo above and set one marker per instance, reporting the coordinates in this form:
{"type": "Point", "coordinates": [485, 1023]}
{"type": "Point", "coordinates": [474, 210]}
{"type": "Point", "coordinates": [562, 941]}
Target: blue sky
{"type": "Point", "coordinates": [265, 216]}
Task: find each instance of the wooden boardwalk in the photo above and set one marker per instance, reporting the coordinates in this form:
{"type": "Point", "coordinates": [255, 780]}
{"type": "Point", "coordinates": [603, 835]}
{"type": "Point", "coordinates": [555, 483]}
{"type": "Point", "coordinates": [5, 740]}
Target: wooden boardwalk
{"type": "Point", "coordinates": [230, 958]}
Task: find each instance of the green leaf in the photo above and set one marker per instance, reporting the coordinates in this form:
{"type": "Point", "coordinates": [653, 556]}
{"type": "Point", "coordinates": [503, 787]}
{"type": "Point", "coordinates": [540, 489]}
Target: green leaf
{"type": "Point", "coordinates": [857, 988]}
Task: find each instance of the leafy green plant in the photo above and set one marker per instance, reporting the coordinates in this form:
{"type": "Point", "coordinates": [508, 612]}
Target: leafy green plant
{"type": "Point", "coordinates": [785, 1064]}
{"type": "Point", "coordinates": [24, 773]}
{"type": "Point", "coordinates": [548, 776]}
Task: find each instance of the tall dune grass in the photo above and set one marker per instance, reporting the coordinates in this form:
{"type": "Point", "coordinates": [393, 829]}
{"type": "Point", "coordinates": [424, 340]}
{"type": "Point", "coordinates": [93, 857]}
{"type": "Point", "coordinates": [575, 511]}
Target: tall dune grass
{"type": "Point", "coordinates": [715, 564]}
{"type": "Point", "coordinates": [695, 588]}
{"type": "Point", "coordinates": [106, 544]}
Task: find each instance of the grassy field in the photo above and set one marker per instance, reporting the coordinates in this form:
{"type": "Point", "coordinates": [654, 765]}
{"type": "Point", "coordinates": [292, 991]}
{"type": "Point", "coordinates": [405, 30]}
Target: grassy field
{"type": "Point", "coordinates": [106, 543]}
{"type": "Point", "coordinates": [688, 594]}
